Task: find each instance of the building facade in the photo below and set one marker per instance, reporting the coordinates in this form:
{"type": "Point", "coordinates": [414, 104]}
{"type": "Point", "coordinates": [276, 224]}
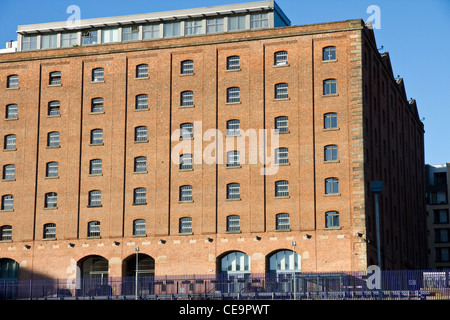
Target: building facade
{"type": "Point", "coordinates": [437, 216]}
{"type": "Point", "coordinates": [122, 135]}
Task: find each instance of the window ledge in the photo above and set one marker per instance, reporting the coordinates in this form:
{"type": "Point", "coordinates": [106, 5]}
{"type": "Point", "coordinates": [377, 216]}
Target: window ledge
{"type": "Point", "coordinates": [142, 109]}
{"type": "Point", "coordinates": [95, 174]}
{"type": "Point", "coordinates": [333, 228]}
{"type": "Point", "coordinates": [49, 239]}
{"type": "Point", "coordinates": [94, 206]}
{"type": "Point", "coordinates": [7, 210]}
{"type": "Point", "coordinates": [331, 129]}
{"type": "Point", "coordinates": [139, 235]}
{"type": "Point", "coordinates": [97, 112]}
{"type": "Point", "coordinates": [233, 167]}
{"type": "Point", "coordinates": [54, 116]}
{"type": "Point", "coordinates": [231, 103]}
{"type": "Point", "coordinates": [282, 230]}
{"type": "Point", "coordinates": [55, 85]}
{"type": "Point", "coordinates": [187, 74]}
{"type": "Point", "coordinates": [96, 144]}
{"type": "Point", "coordinates": [331, 161]}
{"type": "Point", "coordinates": [184, 170]}
{"type": "Point", "coordinates": [282, 197]}
{"type": "Point", "coordinates": [93, 237]}
{"type": "Point", "coordinates": [281, 65]}
{"type": "Point", "coordinates": [332, 194]}
{"type": "Point", "coordinates": [6, 180]}
{"type": "Point", "coordinates": [331, 60]}
{"type": "Point", "coordinates": [50, 208]}
{"type": "Point", "coordinates": [233, 70]}
{"type": "Point", "coordinates": [185, 233]}
{"type": "Point", "coordinates": [281, 99]}
{"type": "Point", "coordinates": [53, 147]}
{"type": "Point", "coordinates": [143, 141]}
{"type": "Point", "coordinates": [330, 95]}
{"type": "Point", "coordinates": [282, 164]}
{"type": "Point", "coordinates": [99, 81]}
{"type": "Point", "coordinates": [6, 150]}
{"type": "Point", "coordinates": [237, 199]}
{"type": "Point", "coordinates": [11, 119]}
{"type": "Point", "coordinates": [186, 201]}
{"type": "Point", "coordinates": [140, 204]}
{"type": "Point", "coordinates": [140, 172]}
{"type": "Point", "coordinates": [142, 78]}
{"type": "Point", "coordinates": [233, 232]}
{"type": "Point", "coordinates": [281, 132]}
{"type": "Point", "coordinates": [188, 106]}
{"type": "Point", "coordinates": [17, 88]}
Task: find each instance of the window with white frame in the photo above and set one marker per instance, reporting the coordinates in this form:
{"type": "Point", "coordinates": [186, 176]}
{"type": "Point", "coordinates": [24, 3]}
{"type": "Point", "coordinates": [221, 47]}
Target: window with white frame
{"type": "Point", "coordinates": [150, 31]}
{"type": "Point", "coordinates": [259, 20]}
{"type": "Point", "coordinates": [186, 193]}
{"type": "Point", "coordinates": [51, 200]}
{"type": "Point", "coordinates": [110, 35]}
{"type": "Point", "coordinates": [141, 102]}
{"type": "Point", "coordinates": [233, 159]}
{"type": "Point", "coordinates": [281, 58]}
{"type": "Point", "coordinates": [233, 191]}
{"type": "Point", "coordinates": [51, 169]}
{"type": "Point", "coordinates": [54, 109]}
{"type": "Point", "coordinates": [9, 172]}
{"type": "Point", "coordinates": [49, 231]}
{"type": "Point", "coordinates": [186, 130]}
{"type": "Point", "coordinates": [233, 223]}
{"type": "Point", "coordinates": [29, 42]}
{"type": "Point", "coordinates": [233, 127]}
{"type": "Point", "coordinates": [12, 81]}
{"type": "Point", "coordinates": [93, 229]}
{"type": "Point", "coordinates": [142, 71]}
{"type": "Point", "coordinates": [96, 136]}
{"type": "Point", "coordinates": [89, 37]}
{"type": "Point", "coordinates": [187, 98]}
{"type": "Point", "coordinates": [215, 25]}
{"type": "Point", "coordinates": [139, 227]}
{"type": "Point", "coordinates": [11, 111]}
{"type": "Point", "coordinates": [236, 23]}
{"type": "Point", "coordinates": [233, 95]}
{"type": "Point", "coordinates": [282, 221]}
{"type": "Point", "coordinates": [282, 188]}
{"type": "Point", "coordinates": [186, 161]}
{"type": "Point", "coordinates": [95, 198]}
{"type": "Point", "coordinates": [172, 29]}
{"type": "Point", "coordinates": [7, 202]}
{"type": "Point", "coordinates": [48, 41]}
{"type": "Point", "coordinates": [130, 33]}
{"type": "Point", "coordinates": [192, 27]}
{"type": "Point", "coordinates": [234, 63]}
{"type": "Point", "coordinates": [186, 225]}
{"type": "Point", "coordinates": [97, 105]}
{"type": "Point", "coordinates": [140, 134]}
{"type": "Point", "coordinates": [187, 67]}
{"type": "Point", "coordinates": [69, 39]}
{"type": "Point", "coordinates": [140, 196]}
{"type": "Point", "coordinates": [95, 166]}
{"type": "Point", "coordinates": [140, 164]}
{"type": "Point", "coordinates": [10, 142]}
{"type": "Point", "coordinates": [98, 75]}
{"type": "Point", "coordinates": [282, 156]}
{"type": "Point", "coordinates": [282, 124]}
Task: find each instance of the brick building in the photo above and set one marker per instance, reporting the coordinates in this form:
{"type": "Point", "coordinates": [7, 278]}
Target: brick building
{"type": "Point", "coordinates": [91, 137]}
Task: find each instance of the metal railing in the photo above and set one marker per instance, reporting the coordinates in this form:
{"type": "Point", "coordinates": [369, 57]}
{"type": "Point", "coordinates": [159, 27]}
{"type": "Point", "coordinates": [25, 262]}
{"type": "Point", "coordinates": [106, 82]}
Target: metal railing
{"type": "Point", "coordinates": [405, 284]}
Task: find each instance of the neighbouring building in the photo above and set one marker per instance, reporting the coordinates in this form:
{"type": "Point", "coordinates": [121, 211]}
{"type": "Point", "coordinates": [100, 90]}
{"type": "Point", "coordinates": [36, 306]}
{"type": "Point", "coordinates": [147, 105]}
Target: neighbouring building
{"type": "Point", "coordinates": [121, 134]}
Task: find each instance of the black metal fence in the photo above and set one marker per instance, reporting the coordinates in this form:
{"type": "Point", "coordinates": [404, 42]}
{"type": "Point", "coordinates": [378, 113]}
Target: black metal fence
{"type": "Point", "coordinates": [405, 284]}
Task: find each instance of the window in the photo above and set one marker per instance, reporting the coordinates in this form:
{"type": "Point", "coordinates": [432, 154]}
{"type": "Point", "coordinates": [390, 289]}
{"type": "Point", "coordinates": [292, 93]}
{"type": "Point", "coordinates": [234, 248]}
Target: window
{"type": "Point", "coordinates": [110, 35]}
{"type": "Point", "coordinates": [186, 161]}
{"type": "Point", "coordinates": [330, 121]}
{"type": "Point", "coordinates": [142, 102]}
{"type": "Point", "coordinates": [29, 42]}
{"type": "Point", "coordinates": [186, 225]}
{"type": "Point", "coordinates": [187, 98]}
{"type": "Point", "coordinates": [329, 87]}
{"type": "Point", "coordinates": [95, 166]}
{"type": "Point", "coordinates": [69, 39]}
{"type": "Point", "coordinates": [130, 33]}
{"type": "Point", "coordinates": [11, 111]}
{"type": "Point", "coordinates": [186, 130]}
{"type": "Point", "coordinates": [442, 254]}
{"type": "Point", "coordinates": [94, 229]}
{"type": "Point", "coordinates": [49, 231]}
{"type": "Point", "coordinates": [8, 202]}
{"type": "Point", "coordinates": [89, 37]}
{"type": "Point", "coordinates": [233, 95]}
{"type": "Point", "coordinates": [97, 137]}
{"type": "Point", "coordinates": [332, 219]}
{"type": "Point", "coordinates": [142, 71]}
{"type": "Point", "coordinates": [259, 20]}
{"type": "Point", "coordinates": [10, 142]}
{"type": "Point", "coordinates": [215, 25]}
{"type": "Point", "coordinates": [140, 134]}
{"type": "Point", "coordinates": [441, 235]}
{"type": "Point", "coordinates": [283, 262]}
{"type": "Point", "coordinates": [440, 216]}
{"type": "Point", "coordinates": [139, 227]}
{"type": "Point", "coordinates": [281, 156]}
{"type": "Point", "coordinates": [95, 198]}
{"type": "Point", "coordinates": [282, 221]}
{"type": "Point", "coordinates": [281, 58]}
{"type": "Point", "coordinates": [281, 91]}
{"type": "Point", "coordinates": [54, 109]}
{"type": "Point", "coordinates": [329, 54]}
{"type": "Point", "coordinates": [140, 164]}
{"type": "Point", "coordinates": [9, 172]}
{"type": "Point", "coordinates": [233, 191]}
{"type": "Point", "coordinates": [282, 188]}
{"type": "Point", "coordinates": [51, 200]}
{"type": "Point", "coordinates": [236, 23]}
{"type": "Point", "coordinates": [140, 196]}
{"type": "Point", "coordinates": [234, 63]}
{"type": "Point", "coordinates": [48, 41]}
{"type": "Point", "coordinates": [233, 223]}
{"type": "Point", "coordinates": [235, 262]}
{"type": "Point", "coordinates": [51, 169]}
{"type": "Point", "coordinates": [233, 127]}
{"type": "Point", "coordinates": [233, 159]}
{"type": "Point", "coordinates": [331, 153]}
{"type": "Point", "coordinates": [98, 75]}
{"type": "Point", "coordinates": [172, 29]}
{"type": "Point", "coordinates": [282, 124]}
{"type": "Point", "coordinates": [331, 186]}
{"type": "Point", "coordinates": [97, 105]}
{"type": "Point", "coordinates": [12, 81]}
{"type": "Point", "coordinates": [55, 78]}
{"type": "Point", "coordinates": [186, 193]}
{"type": "Point", "coordinates": [192, 27]}
{"type": "Point", "coordinates": [6, 233]}
{"type": "Point", "coordinates": [150, 32]}
{"type": "Point", "coordinates": [187, 67]}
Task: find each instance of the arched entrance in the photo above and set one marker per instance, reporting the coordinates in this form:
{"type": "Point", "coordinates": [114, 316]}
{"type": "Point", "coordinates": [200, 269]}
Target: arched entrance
{"type": "Point", "coordinates": [9, 275]}
{"type": "Point", "coordinates": [234, 271]}
{"type": "Point", "coordinates": [94, 272]}
{"type": "Point", "coordinates": [143, 278]}
{"type": "Point", "coordinates": [284, 267]}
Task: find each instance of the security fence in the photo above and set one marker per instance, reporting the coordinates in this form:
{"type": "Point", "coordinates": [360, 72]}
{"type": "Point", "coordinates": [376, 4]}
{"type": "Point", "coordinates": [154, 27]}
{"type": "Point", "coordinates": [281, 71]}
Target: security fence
{"type": "Point", "coordinates": [405, 284]}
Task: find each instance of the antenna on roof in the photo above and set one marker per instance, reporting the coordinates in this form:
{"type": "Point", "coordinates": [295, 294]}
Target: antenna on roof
{"type": "Point", "coordinates": [380, 48]}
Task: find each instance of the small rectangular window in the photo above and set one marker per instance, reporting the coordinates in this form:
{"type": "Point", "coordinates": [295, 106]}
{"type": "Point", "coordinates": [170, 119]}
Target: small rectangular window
{"type": "Point", "coordinates": [186, 193]}
{"type": "Point", "coordinates": [95, 167]}
{"type": "Point", "coordinates": [53, 139]}
{"type": "Point", "coordinates": [151, 32]}
{"type": "Point", "coordinates": [140, 134]}
{"type": "Point", "coordinates": [98, 75]}
{"type": "Point", "coordinates": [9, 172]}
{"type": "Point", "coordinates": [187, 98]}
{"type": "Point", "coordinates": [29, 42]}
{"type": "Point", "coordinates": [10, 142]}
{"type": "Point", "coordinates": [215, 25]}
{"type": "Point", "coordinates": [233, 95]}
{"type": "Point", "coordinates": [11, 111]}
{"type": "Point", "coordinates": [192, 27]}
{"type": "Point", "coordinates": [110, 35]}
{"type": "Point", "coordinates": [233, 63]}
{"type": "Point", "coordinates": [186, 131]}
{"type": "Point", "coordinates": [51, 170]}
{"type": "Point", "coordinates": [53, 108]}
{"type": "Point", "coordinates": [89, 37]}
{"type": "Point", "coordinates": [233, 223]}
{"type": "Point", "coordinates": [172, 29]}
{"type": "Point", "coordinates": [187, 67]}
{"type": "Point", "coordinates": [48, 41]}
{"type": "Point", "coordinates": [281, 58]}
{"type": "Point", "coordinates": [236, 23]}
{"type": "Point", "coordinates": [95, 198]}
{"type": "Point", "coordinates": [282, 124]}
{"type": "Point", "coordinates": [130, 33]}
{"type": "Point", "coordinates": [186, 161]}
{"type": "Point", "coordinates": [259, 20]}
{"type": "Point", "coordinates": [12, 81]}
{"type": "Point", "coordinates": [55, 78]}
{"type": "Point", "coordinates": [69, 39]}
{"type": "Point", "coordinates": [282, 156]}
{"type": "Point", "coordinates": [186, 225]}
{"type": "Point", "coordinates": [97, 136]}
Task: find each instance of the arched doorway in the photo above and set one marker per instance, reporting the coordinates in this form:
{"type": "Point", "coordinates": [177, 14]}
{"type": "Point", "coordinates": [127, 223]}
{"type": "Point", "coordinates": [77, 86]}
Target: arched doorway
{"type": "Point", "coordinates": [234, 271]}
{"type": "Point", "coordinates": [94, 272]}
{"type": "Point", "coordinates": [284, 267]}
{"type": "Point", "coordinates": [144, 278]}
{"type": "Point", "coordinates": [9, 275]}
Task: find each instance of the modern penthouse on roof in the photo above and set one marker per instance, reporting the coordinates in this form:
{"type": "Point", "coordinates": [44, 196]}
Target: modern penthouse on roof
{"type": "Point", "coordinates": [178, 23]}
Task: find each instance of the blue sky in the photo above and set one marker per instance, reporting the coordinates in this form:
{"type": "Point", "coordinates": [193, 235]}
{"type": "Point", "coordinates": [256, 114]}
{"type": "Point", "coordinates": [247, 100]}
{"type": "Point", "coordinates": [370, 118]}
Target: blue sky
{"type": "Point", "coordinates": [414, 32]}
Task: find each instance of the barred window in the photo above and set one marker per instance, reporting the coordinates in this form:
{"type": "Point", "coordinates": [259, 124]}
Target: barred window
{"type": "Point", "coordinates": [98, 75]}
{"type": "Point", "coordinates": [281, 91]}
{"type": "Point", "coordinates": [186, 225]}
{"type": "Point", "coordinates": [94, 229]}
{"type": "Point", "coordinates": [49, 231]}
{"type": "Point", "coordinates": [186, 161]}
{"type": "Point", "coordinates": [233, 127]}
{"type": "Point", "coordinates": [233, 95]}
{"type": "Point", "coordinates": [331, 153]}
{"type": "Point", "coordinates": [281, 58]}
{"type": "Point", "coordinates": [97, 105]}
{"type": "Point", "coordinates": [330, 120]}
{"type": "Point", "coordinates": [329, 54]}
{"type": "Point", "coordinates": [12, 81]}
{"type": "Point", "coordinates": [95, 166]}
{"type": "Point", "coordinates": [187, 130]}
{"type": "Point", "coordinates": [233, 159]}
{"type": "Point", "coordinates": [282, 124]}
{"type": "Point", "coordinates": [9, 172]}
{"type": "Point", "coordinates": [51, 169]}
{"type": "Point", "coordinates": [331, 186]}
{"type": "Point", "coordinates": [233, 63]}
{"type": "Point", "coordinates": [282, 156]}
{"type": "Point", "coordinates": [329, 86]}
{"type": "Point", "coordinates": [51, 200]}
{"type": "Point", "coordinates": [282, 188]}
{"type": "Point", "coordinates": [11, 111]}
{"type": "Point", "coordinates": [233, 223]}
{"type": "Point", "coordinates": [140, 196]}
{"type": "Point", "coordinates": [6, 233]}
{"type": "Point", "coordinates": [55, 78]}
{"type": "Point", "coordinates": [141, 102]}
{"type": "Point", "coordinates": [186, 193]}
{"type": "Point", "coordinates": [95, 198]}
{"type": "Point", "coordinates": [10, 142]}
{"type": "Point", "coordinates": [187, 67]}
{"type": "Point", "coordinates": [142, 71]}
{"type": "Point", "coordinates": [140, 134]}
{"type": "Point", "coordinates": [53, 139]}
{"type": "Point", "coordinates": [187, 98]}
{"type": "Point", "coordinates": [7, 202]}
{"type": "Point", "coordinates": [233, 191]}
{"type": "Point", "coordinates": [97, 136]}
{"type": "Point", "coordinates": [54, 108]}
{"type": "Point", "coordinates": [331, 219]}
{"type": "Point", "coordinates": [140, 164]}
{"type": "Point", "coordinates": [139, 227]}
{"type": "Point", "coordinates": [282, 221]}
